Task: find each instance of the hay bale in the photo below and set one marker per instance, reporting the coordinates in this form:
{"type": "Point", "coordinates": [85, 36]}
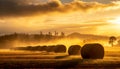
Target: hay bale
{"type": "Point", "coordinates": [29, 48]}
{"type": "Point", "coordinates": [50, 48]}
{"type": "Point", "coordinates": [60, 49]}
{"type": "Point", "coordinates": [74, 50]}
{"type": "Point", "coordinates": [33, 48]}
{"type": "Point", "coordinates": [43, 48]}
{"type": "Point", "coordinates": [19, 48]}
{"type": "Point", "coordinates": [37, 48]}
{"type": "Point", "coordinates": [92, 51]}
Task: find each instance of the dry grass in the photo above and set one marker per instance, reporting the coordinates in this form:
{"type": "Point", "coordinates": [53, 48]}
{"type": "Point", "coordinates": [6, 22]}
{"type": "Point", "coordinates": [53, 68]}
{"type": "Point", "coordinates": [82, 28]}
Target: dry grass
{"type": "Point", "coordinates": [18, 59]}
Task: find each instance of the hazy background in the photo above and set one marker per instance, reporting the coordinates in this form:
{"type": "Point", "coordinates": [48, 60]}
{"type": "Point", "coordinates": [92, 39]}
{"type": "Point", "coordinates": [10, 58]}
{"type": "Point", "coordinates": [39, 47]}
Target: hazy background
{"type": "Point", "coordinates": [99, 17]}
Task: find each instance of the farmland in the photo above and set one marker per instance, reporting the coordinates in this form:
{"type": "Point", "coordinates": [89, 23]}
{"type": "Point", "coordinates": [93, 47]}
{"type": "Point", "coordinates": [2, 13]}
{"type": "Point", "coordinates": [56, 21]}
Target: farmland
{"type": "Point", "coordinates": [29, 59]}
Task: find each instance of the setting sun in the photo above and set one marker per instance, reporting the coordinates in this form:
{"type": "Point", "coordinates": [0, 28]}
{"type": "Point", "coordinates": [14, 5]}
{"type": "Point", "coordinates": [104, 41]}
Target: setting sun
{"type": "Point", "coordinates": [115, 20]}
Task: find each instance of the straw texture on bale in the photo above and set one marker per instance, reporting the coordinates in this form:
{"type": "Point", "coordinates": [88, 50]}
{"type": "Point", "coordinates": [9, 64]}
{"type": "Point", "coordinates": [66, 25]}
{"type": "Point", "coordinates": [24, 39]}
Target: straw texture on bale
{"type": "Point", "coordinates": [60, 49]}
{"type": "Point", "coordinates": [50, 48]}
{"type": "Point", "coordinates": [74, 50]}
{"type": "Point", "coordinates": [43, 48]}
{"type": "Point", "coordinates": [37, 48]}
{"type": "Point", "coordinates": [92, 51]}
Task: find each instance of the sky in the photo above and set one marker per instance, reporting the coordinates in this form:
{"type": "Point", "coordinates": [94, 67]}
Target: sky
{"type": "Point", "coordinates": [98, 17]}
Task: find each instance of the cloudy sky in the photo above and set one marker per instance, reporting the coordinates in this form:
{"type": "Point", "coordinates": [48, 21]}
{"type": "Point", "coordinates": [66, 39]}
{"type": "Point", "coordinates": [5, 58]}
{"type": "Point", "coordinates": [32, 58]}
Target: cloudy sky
{"type": "Point", "coordinates": [99, 17]}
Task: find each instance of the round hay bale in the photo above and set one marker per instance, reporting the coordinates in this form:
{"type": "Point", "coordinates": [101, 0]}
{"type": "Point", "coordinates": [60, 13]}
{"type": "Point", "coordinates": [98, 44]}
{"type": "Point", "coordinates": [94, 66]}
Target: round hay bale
{"type": "Point", "coordinates": [92, 51]}
{"type": "Point", "coordinates": [34, 48]}
{"type": "Point", "coordinates": [37, 48]}
{"type": "Point", "coordinates": [29, 48]}
{"type": "Point", "coordinates": [50, 48]}
{"type": "Point", "coordinates": [20, 48]}
{"type": "Point", "coordinates": [60, 49]}
{"type": "Point", "coordinates": [74, 50]}
{"type": "Point", "coordinates": [43, 48]}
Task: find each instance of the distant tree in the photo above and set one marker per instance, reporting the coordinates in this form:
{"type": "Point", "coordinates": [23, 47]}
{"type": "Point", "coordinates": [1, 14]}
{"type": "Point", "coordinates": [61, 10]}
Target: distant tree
{"type": "Point", "coordinates": [84, 41]}
{"type": "Point", "coordinates": [41, 33]}
{"type": "Point", "coordinates": [62, 34]}
{"type": "Point", "coordinates": [56, 33]}
{"type": "Point", "coordinates": [15, 34]}
{"type": "Point", "coordinates": [118, 42]}
{"type": "Point", "coordinates": [112, 39]}
{"type": "Point", "coordinates": [49, 36]}
{"type": "Point", "coordinates": [49, 33]}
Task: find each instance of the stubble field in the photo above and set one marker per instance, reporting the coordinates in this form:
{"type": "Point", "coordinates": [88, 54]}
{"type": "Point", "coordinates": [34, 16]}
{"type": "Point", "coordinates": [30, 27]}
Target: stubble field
{"type": "Point", "coordinates": [28, 59]}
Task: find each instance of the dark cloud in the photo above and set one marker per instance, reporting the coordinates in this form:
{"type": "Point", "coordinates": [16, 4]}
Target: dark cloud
{"type": "Point", "coordinates": [13, 8]}
{"type": "Point", "coordinates": [101, 1]}
{"type": "Point", "coordinates": [24, 8]}
{"type": "Point", "coordinates": [7, 7]}
{"type": "Point", "coordinates": [66, 1]}
{"type": "Point", "coordinates": [19, 8]}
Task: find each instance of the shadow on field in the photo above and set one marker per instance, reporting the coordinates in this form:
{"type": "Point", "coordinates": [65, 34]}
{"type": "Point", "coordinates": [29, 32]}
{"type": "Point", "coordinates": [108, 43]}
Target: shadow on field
{"type": "Point", "coordinates": [60, 63]}
{"type": "Point", "coordinates": [39, 64]}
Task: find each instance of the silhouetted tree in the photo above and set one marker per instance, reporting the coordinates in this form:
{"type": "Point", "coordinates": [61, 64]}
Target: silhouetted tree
{"type": "Point", "coordinates": [118, 42]}
{"type": "Point", "coordinates": [84, 41]}
{"type": "Point", "coordinates": [41, 33]}
{"type": "Point", "coordinates": [56, 33]}
{"type": "Point", "coordinates": [62, 34]}
{"type": "Point", "coordinates": [50, 34]}
{"type": "Point", "coordinates": [112, 39]}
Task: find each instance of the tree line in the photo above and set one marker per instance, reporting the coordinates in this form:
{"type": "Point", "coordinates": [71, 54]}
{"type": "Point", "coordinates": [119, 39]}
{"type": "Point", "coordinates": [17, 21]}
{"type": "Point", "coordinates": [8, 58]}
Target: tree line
{"type": "Point", "coordinates": [8, 40]}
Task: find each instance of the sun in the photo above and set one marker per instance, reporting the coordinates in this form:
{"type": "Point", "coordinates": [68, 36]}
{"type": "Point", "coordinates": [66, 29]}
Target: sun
{"type": "Point", "coordinates": [115, 20]}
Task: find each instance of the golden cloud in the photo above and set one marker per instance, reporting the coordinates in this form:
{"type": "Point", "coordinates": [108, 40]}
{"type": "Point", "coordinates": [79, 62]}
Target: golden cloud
{"type": "Point", "coordinates": [12, 8]}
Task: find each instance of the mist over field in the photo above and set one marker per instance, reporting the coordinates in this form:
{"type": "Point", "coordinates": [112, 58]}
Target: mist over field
{"type": "Point", "coordinates": [19, 40]}
{"type": "Point", "coordinates": [22, 51]}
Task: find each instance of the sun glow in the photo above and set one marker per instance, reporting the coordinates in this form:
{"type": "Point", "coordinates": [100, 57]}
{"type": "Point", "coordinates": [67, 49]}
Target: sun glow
{"type": "Point", "coordinates": [115, 20]}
